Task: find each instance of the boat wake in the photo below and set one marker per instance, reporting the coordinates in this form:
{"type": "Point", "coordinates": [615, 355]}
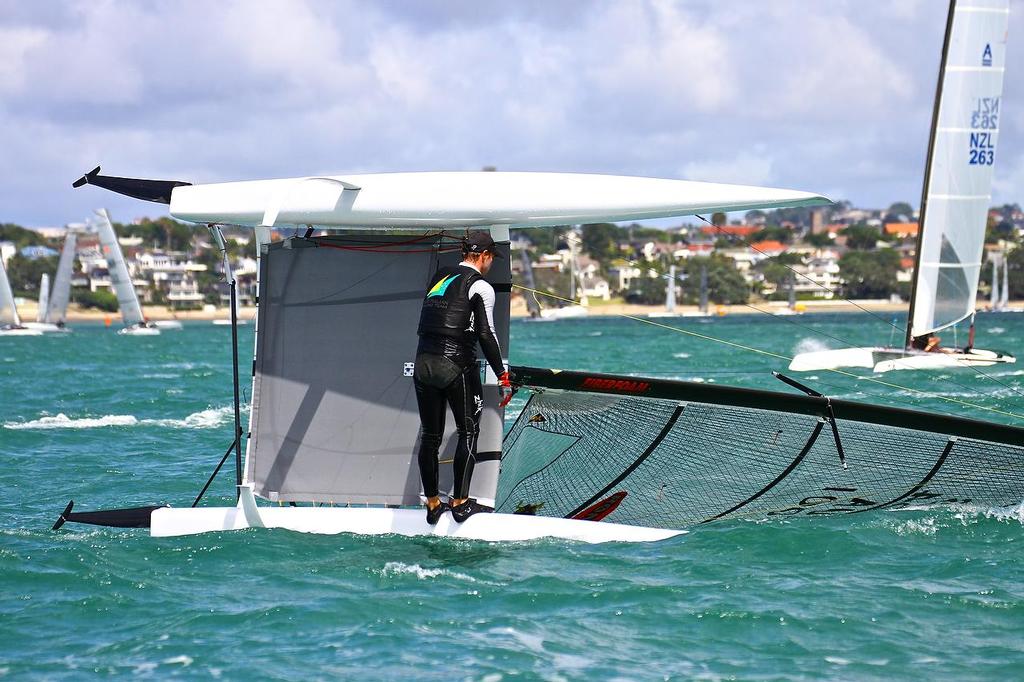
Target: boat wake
{"type": "Point", "coordinates": [810, 345]}
{"type": "Point", "coordinates": [205, 419]}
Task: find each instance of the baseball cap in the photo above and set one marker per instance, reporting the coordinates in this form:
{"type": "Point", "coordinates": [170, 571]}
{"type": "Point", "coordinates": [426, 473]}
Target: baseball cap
{"type": "Point", "coordinates": [479, 242]}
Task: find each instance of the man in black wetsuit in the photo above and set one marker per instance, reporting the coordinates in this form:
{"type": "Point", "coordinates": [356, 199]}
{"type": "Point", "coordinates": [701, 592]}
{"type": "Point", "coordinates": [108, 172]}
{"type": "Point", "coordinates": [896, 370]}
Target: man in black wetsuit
{"type": "Point", "coordinates": [458, 312]}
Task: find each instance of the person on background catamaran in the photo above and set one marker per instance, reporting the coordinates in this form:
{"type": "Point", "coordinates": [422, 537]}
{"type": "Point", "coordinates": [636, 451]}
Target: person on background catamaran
{"type": "Point", "coordinates": [458, 312]}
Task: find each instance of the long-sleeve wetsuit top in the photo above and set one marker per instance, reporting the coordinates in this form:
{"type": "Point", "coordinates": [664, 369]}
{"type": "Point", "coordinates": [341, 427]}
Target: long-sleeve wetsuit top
{"type": "Point", "coordinates": [458, 312]}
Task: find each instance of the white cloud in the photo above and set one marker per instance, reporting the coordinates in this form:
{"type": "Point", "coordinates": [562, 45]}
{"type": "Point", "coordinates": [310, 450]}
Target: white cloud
{"type": "Point", "coordinates": [794, 93]}
{"type": "Point", "coordinates": [744, 169]}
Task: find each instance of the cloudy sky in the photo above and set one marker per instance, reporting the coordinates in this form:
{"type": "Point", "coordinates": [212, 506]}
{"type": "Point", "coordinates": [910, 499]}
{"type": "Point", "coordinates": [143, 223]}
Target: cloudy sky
{"type": "Point", "coordinates": [828, 96]}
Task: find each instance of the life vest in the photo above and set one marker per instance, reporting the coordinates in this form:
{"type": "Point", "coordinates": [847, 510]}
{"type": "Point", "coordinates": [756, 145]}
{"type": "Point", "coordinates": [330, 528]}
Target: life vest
{"type": "Point", "coordinates": [446, 307]}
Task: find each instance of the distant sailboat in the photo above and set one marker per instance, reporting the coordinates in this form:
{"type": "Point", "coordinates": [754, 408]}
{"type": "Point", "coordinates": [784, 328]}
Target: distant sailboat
{"type": "Point", "coordinates": [572, 310]}
{"type": "Point", "coordinates": [10, 323]}
{"type": "Point", "coordinates": [44, 298]}
{"type": "Point", "coordinates": [53, 303]}
{"type": "Point", "coordinates": [670, 296]}
{"type": "Point", "coordinates": [999, 298]}
{"type": "Point", "coordinates": [135, 322]}
{"type": "Point", "coordinates": [954, 206]}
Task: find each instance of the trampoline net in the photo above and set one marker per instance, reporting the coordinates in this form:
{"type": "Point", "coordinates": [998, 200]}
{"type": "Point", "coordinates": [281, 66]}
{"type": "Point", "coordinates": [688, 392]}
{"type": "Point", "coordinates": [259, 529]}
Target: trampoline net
{"type": "Point", "coordinates": [682, 463]}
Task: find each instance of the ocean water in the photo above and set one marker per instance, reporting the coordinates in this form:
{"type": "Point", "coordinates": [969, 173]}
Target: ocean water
{"type": "Point", "coordinates": [113, 421]}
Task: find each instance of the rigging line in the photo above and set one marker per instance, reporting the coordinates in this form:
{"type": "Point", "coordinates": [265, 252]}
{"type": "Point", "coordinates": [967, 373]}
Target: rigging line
{"type": "Point", "coordinates": [744, 242]}
{"type": "Point", "coordinates": [891, 324]}
{"type": "Point", "coordinates": [778, 356]}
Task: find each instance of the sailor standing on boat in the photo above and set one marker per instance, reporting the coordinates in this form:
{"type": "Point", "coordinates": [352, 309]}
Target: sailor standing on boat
{"type": "Point", "coordinates": [458, 313]}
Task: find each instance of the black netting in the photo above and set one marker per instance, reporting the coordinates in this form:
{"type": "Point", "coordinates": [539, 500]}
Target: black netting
{"type": "Point", "coordinates": [683, 463]}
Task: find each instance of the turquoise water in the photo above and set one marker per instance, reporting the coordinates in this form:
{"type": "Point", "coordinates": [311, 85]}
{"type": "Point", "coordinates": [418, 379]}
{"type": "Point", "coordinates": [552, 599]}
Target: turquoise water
{"type": "Point", "coordinates": [113, 421]}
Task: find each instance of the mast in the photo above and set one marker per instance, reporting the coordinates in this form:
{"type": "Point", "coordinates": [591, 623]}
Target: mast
{"type": "Point", "coordinates": [703, 305]}
{"type": "Point", "coordinates": [1004, 298]}
{"type": "Point", "coordinates": [993, 299]}
{"type": "Point", "coordinates": [670, 290]}
{"type": "Point", "coordinates": [928, 174]}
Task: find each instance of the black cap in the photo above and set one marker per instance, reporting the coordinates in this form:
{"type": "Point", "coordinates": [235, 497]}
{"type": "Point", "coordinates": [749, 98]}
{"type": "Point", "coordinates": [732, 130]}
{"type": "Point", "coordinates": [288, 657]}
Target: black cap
{"type": "Point", "coordinates": [480, 242]}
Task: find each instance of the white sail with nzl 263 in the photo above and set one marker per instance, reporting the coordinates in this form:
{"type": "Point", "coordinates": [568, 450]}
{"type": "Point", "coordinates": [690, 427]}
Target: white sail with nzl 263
{"type": "Point", "coordinates": [955, 201]}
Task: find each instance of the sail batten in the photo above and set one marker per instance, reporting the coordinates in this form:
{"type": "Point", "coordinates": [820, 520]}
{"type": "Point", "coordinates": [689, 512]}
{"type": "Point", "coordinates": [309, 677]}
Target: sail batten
{"type": "Point", "coordinates": [958, 183]}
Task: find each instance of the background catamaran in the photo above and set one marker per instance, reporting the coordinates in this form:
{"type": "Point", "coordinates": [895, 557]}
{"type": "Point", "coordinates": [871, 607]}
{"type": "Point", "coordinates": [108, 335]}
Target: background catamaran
{"type": "Point", "coordinates": [333, 418]}
{"type": "Point", "coordinates": [135, 322]}
{"type": "Point", "coordinates": [955, 199]}
{"type": "Point", "coordinates": [53, 303]}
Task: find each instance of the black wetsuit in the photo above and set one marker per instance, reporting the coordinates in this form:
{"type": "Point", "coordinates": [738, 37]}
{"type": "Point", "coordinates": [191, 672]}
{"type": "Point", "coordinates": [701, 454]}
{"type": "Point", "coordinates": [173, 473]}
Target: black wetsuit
{"type": "Point", "coordinates": [451, 324]}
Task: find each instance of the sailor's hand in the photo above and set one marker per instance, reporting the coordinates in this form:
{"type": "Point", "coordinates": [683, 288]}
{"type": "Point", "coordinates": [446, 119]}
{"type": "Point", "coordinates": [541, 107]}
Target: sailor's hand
{"type": "Point", "coordinates": [506, 389]}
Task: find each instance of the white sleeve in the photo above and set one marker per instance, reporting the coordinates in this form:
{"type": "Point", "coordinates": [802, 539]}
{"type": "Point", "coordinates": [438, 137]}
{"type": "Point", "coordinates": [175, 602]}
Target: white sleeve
{"type": "Point", "coordinates": [484, 289]}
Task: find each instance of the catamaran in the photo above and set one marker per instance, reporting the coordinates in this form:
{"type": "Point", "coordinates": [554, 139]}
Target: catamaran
{"type": "Point", "coordinates": [333, 425]}
{"type": "Point", "coordinates": [53, 303]}
{"type": "Point", "coordinates": [135, 323]}
{"type": "Point", "coordinates": [955, 200]}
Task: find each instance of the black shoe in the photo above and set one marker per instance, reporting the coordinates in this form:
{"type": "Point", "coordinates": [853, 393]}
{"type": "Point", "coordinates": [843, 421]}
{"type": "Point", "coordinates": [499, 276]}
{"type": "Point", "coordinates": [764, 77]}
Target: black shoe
{"type": "Point", "coordinates": [434, 515]}
{"type": "Point", "coordinates": [463, 511]}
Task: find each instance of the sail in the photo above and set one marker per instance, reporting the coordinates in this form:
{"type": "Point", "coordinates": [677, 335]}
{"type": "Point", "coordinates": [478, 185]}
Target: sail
{"type": "Point", "coordinates": [127, 299]}
{"type": "Point", "coordinates": [670, 454]}
{"type": "Point", "coordinates": [44, 298]}
{"type": "Point", "coordinates": [60, 295]}
{"type": "Point", "coordinates": [670, 290]}
{"type": "Point", "coordinates": [958, 182]}
{"type": "Point", "coordinates": [8, 311]}
{"type": "Point", "coordinates": [334, 416]}
{"type": "Point", "coordinates": [532, 304]}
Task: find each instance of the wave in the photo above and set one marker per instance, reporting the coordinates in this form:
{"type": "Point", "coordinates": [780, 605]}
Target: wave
{"type": "Point", "coordinates": [62, 421]}
{"type": "Point", "coordinates": [399, 568]}
{"type": "Point", "coordinates": [681, 356]}
{"type": "Point", "coordinates": [204, 419]}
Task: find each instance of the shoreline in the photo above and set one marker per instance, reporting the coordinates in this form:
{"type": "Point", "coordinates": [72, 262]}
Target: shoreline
{"type": "Point", "coordinates": [27, 310]}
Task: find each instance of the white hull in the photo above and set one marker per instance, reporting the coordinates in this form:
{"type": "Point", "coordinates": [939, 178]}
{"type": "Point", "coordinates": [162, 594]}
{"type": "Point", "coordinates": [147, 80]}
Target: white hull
{"type": "Point", "coordinates": [21, 331]}
{"type": "Point", "coordinates": [170, 521]}
{"type": "Point", "coordinates": [46, 327]}
{"type": "Point", "coordinates": [566, 313]}
{"type": "Point", "coordinates": [228, 322]}
{"type": "Point", "coordinates": [888, 359]}
{"type": "Point", "coordinates": [663, 314]}
{"type": "Point", "coordinates": [139, 331]}
{"type": "Point", "coordinates": [166, 324]}
{"type": "Point", "coordinates": [976, 358]}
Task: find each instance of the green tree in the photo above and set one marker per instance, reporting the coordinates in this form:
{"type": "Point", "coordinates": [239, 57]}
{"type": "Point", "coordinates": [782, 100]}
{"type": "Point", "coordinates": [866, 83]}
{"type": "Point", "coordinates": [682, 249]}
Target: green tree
{"type": "Point", "coordinates": [820, 240]}
{"type": "Point", "coordinates": [103, 300]}
{"type": "Point", "coordinates": [718, 219]}
{"type": "Point", "coordinates": [862, 237]}
{"type": "Point", "coordinates": [900, 208]}
{"type": "Point", "coordinates": [1015, 263]}
{"type": "Point", "coordinates": [773, 233]}
{"type": "Point", "coordinates": [25, 273]}
{"type": "Point", "coordinates": [9, 232]}
{"type": "Point", "coordinates": [778, 271]}
{"type": "Point", "coordinates": [601, 240]}
{"type": "Point", "coordinates": [646, 290]}
{"type": "Point", "coordinates": [725, 283]}
{"type": "Point", "coordinates": [869, 274]}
